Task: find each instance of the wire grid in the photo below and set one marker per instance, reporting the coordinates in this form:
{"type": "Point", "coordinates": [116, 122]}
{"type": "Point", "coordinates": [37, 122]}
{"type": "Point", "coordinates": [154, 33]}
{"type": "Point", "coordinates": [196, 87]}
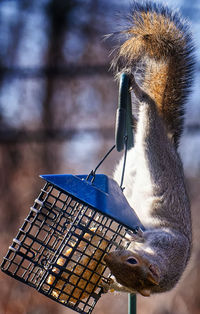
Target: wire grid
{"type": "Point", "coordinates": [59, 249]}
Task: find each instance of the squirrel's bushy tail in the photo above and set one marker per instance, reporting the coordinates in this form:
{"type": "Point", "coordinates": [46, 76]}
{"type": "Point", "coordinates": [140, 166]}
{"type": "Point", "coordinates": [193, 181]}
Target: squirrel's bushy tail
{"type": "Point", "coordinates": [160, 41]}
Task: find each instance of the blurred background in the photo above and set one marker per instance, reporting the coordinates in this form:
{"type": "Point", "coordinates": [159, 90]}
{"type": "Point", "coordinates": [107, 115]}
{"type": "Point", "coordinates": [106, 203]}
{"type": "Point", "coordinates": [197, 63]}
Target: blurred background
{"type": "Point", "coordinates": [57, 112]}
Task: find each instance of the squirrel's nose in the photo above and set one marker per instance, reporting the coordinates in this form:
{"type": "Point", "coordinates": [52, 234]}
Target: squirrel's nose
{"type": "Point", "coordinates": [106, 258]}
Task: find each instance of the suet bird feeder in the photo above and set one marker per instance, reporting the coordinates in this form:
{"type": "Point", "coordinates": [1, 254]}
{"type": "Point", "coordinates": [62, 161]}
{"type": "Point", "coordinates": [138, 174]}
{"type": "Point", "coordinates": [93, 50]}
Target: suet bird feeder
{"type": "Point", "coordinates": [59, 249]}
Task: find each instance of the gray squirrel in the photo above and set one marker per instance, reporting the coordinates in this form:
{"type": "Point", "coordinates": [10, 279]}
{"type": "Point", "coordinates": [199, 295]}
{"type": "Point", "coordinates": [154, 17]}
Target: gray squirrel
{"type": "Point", "coordinates": [158, 56]}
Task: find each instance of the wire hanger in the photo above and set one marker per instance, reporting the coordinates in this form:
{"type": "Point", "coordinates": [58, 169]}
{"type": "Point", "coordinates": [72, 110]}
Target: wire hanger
{"type": "Point", "coordinates": [123, 126]}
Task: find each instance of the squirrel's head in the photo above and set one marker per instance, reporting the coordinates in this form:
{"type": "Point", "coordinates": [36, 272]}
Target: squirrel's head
{"type": "Point", "coordinates": [133, 270]}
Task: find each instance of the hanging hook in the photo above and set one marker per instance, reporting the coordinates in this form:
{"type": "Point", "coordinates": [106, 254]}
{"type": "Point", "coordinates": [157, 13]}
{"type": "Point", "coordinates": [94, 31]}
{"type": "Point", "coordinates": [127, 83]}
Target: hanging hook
{"type": "Point", "coordinates": [123, 126]}
{"type": "Point", "coordinates": [124, 163]}
{"type": "Point", "coordinates": [93, 172]}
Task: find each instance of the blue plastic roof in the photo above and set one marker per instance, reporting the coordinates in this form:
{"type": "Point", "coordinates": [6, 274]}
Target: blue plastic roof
{"type": "Point", "coordinates": [104, 194]}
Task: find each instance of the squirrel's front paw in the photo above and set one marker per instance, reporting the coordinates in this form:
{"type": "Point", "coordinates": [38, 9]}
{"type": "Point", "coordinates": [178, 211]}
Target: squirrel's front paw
{"type": "Point", "coordinates": [137, 235]}
{"type": "Point", "coordinates": [106, 285]}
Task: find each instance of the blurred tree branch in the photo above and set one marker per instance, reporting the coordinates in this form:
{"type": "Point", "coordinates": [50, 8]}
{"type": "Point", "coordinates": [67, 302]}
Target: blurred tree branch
{"type": "Point", "coordinates": [71, 70]}
{"type": "Point", "coordinates": [10, 136]}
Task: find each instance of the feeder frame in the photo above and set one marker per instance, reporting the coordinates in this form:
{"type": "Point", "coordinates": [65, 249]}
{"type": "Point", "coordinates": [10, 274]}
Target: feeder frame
{"type": "Point", "coordinates": [58, 223]}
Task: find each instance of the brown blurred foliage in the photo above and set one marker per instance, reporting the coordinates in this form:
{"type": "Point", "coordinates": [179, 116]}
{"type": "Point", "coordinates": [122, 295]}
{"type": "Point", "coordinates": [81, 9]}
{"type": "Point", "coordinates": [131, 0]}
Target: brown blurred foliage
{"type": "Point", "coordinates": [57, 107]}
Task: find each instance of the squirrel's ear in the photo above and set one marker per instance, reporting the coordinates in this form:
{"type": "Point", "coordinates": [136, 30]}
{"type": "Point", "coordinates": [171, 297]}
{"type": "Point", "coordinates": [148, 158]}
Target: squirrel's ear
{"type": "Point", "coordinates": [145, 292]}
{"type": "Point", "coordinates": [154, 274]}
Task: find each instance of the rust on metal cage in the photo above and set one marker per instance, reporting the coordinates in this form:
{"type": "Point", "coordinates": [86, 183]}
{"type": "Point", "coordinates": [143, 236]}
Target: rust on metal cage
{"type": "Point", "coordinates": [60, 247]}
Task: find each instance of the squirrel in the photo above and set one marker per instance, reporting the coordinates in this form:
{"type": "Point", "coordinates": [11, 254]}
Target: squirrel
{"type": "Point", "coordinates": [158, 56]}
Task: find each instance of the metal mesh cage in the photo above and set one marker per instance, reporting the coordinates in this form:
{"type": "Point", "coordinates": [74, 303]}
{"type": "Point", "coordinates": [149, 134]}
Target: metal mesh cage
{"type": "Point", "coordinates": [60, 247]}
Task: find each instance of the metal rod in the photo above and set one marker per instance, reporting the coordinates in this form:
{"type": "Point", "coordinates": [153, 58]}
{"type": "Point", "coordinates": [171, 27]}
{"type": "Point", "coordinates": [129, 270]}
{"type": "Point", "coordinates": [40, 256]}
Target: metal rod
{"type": "Point", "coordinates": [93, 172]}
{"type": "Point", "coordinates": [108, 153]}
{"type": "Point", "coordinates": [131, 304]}
{"type": "Point", "coordinates": [124, 163]}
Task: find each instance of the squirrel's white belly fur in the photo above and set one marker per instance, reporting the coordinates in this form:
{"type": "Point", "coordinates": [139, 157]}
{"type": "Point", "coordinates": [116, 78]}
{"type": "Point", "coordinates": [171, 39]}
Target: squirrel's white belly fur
{"type": "Point", "coordinates": [138, 184]}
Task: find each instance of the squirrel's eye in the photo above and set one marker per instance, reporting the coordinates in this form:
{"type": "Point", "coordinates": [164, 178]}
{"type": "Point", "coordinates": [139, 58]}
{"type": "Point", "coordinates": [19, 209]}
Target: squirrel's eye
{"type": "Point", "coordinates": [132, 260]}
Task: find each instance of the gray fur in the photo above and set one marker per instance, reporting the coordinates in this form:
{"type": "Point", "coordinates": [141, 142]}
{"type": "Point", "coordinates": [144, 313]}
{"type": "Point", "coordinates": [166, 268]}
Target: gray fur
{"type": "Point", "coordinates": [155, 188]}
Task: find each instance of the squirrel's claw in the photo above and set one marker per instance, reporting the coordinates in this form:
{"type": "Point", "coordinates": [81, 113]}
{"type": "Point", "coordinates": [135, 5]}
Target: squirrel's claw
{"type": "Point", "coordinates": [106, 285]}
{"type": "Point", "coordinates": [137, 236]}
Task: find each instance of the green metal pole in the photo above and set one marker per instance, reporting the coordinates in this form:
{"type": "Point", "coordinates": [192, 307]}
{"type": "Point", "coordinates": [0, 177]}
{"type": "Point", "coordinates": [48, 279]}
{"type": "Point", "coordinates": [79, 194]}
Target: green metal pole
{"type": "Point", "coordinates": [123, 129]}
{"type": "Point", "coordinates": [131, 304]}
